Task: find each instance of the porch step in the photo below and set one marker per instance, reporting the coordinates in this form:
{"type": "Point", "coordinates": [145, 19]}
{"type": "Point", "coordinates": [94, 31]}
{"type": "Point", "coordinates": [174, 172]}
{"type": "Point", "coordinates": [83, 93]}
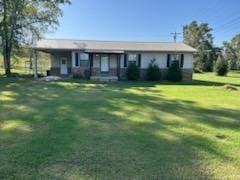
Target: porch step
{"type": "Point", "coordinates": [104, 78]}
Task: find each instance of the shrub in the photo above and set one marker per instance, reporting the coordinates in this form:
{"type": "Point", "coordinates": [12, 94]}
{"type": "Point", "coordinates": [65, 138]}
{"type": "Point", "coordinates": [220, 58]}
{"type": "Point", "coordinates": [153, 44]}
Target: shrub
{"type": "Point", "coordinates": [174, 72]}
{"type": "Point", "coordinates": [86, 74]}
{"type": "Point", "coordinates": [153, 71]}
{"type": "Point", "coordinates": [133, 72]}
{"type": "Point", "coordinates": [221, 67]}
{"type": "Point", "coordinates": [77, 75]}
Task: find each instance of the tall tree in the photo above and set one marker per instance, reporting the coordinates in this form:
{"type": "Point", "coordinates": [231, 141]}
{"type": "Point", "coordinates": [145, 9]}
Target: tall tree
{"type": "Point", "coordinates": [232, 52]}
{"type": "Point", "coordinates": [21, 20]}
{"type": "Point", "coordinates": [200, 37]}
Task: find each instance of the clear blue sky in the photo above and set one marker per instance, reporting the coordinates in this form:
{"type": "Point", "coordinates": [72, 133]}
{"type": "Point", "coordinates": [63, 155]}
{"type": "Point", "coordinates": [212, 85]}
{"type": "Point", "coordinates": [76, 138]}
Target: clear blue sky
{"type": "Point", "coordinates": [146, 20]}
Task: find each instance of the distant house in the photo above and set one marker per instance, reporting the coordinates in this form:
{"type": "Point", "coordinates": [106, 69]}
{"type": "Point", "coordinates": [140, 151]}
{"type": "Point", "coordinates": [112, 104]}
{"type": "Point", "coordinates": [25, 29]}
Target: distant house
{"type": "Point", "coordinates": [110, 59]}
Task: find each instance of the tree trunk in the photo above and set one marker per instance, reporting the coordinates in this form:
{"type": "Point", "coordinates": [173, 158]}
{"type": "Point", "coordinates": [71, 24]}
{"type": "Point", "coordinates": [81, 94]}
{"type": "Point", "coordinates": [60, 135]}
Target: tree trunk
{"type": "Point", "coordinates": [7, 62]}
{"type": "Point", "coordinates": [6, 47]}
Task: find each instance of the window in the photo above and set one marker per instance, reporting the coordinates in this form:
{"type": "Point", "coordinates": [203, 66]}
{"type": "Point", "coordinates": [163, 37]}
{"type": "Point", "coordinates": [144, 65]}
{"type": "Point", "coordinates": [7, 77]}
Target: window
{"type": "Point", "coordinates": [84, 63]}
{"type": "Point", "coordinates": [84, 60]}
{"type": "Point", "coordinates": [81, 59]}
{"type": "Point", "coordinates": [175, 57]}
{"type": "Point", "coordinates": [132, 58]}
{"type": "Point", "coordinates": [84, 56]}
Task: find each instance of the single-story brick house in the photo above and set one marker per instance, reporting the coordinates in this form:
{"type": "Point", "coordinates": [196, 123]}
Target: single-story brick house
{"type": "Point", "coordinates": [110, 59]}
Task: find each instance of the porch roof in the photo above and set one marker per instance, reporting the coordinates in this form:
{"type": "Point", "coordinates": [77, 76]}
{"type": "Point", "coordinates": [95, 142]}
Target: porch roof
{"type": "Point", "coordinates": [111, 46]}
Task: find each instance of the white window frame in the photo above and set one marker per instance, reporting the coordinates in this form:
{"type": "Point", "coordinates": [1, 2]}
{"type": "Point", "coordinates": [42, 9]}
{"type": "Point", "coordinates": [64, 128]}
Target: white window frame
{"type": "Point", "coordinates": [129, 60]}
{"type": "Point", "coordinates": [84, 57]}
{"type": "Point", "coordinates": [80, 57]}
{"type": "Point", "coordinates": [74, 59]}
{"type": "Point", "coordinates": [177, 58]}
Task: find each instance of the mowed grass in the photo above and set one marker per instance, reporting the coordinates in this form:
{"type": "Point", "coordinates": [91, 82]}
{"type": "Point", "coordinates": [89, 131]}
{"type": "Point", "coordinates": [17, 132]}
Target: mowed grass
{"type": "Point", "coordinates": [127, 130]}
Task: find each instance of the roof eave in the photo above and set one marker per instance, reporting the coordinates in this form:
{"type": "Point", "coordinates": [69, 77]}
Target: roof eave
{"type": "Point", "coordinates": [110, 50]}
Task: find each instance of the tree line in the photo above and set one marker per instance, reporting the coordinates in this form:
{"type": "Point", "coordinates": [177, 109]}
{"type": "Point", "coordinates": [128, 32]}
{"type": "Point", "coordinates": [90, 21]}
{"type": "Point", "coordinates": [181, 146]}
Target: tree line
{"type": "Point", "coordinates": [199, 36]}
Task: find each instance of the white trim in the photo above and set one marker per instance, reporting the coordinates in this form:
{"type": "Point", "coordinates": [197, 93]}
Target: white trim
{"type": "Point", "coordinates": [79, 58]}
{"type": "Point", "coordinates": [66, 66]}
{"type": "Point", "coordinates": [73, 58]}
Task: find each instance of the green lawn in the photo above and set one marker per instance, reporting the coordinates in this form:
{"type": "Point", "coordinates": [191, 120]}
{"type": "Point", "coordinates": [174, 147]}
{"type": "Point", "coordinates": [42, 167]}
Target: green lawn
{"type": "Point", "coordinates": [126, 130]}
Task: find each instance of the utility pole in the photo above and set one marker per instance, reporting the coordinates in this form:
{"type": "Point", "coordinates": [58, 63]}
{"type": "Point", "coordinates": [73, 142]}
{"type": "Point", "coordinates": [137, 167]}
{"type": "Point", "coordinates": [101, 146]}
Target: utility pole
{"type": "Point", "coordinates": [175, 34]}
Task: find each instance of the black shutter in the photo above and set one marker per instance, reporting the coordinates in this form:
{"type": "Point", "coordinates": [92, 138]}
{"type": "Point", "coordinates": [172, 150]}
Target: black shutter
{"type": "Point", "coordinates": [91, 60]}
{"type": "Point", "coordinates": [125, 60]}
{"type": "Point", "coordinates": [139, 60]}
{"type": "Point", "coordinates": [168, 60]}
{"type": "Point", "coordinates": [76, 60]}
{"type": "Point", "coordinates": [182, 60]}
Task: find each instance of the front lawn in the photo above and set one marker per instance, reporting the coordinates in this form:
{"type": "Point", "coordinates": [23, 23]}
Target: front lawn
{"type": "Point", "coordinates": [126, 130]}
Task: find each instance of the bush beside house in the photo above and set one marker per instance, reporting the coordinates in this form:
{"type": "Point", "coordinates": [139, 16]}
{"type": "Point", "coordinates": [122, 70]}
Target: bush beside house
{"type": "Point", "coordinates": [174, 72]}
{"type": "Point", "coordinates": [133, 72]}
{"type": "Point", "coordinates": [221, 67]}
{"type": "Point", "coordinates": [153, 71]}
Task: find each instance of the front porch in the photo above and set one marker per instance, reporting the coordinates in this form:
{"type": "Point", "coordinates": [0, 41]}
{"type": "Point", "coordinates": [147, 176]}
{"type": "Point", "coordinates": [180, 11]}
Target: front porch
{"type": "Point", "coordinates": [96, 66]}
{"type": "Point", "coordinates": [104, 66]}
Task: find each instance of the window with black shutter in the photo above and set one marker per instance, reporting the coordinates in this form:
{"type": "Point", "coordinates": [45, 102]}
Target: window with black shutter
{"type": "Point", "coordinates": [132, 59]}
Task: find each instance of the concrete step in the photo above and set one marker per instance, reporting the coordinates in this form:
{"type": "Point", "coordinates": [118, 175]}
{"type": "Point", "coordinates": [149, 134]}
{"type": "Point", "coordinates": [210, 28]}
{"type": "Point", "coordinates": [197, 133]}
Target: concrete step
{"type": "Point", "coordinates": [104, 78]}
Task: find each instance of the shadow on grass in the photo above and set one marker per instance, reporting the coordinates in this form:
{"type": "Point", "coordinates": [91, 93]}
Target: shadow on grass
{"type": "Point", "coordinates": [128, 84]}
{"type": "Point", "coordinates": [106, 131]}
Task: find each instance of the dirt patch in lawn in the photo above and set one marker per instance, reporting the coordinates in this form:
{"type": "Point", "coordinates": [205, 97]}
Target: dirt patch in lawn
{"type": "Point", "coordinates": [230, 87]}
{"type": "Point", "coordinates": [221, 136]}
{"type": "Point", "coordinates": [64, 169]}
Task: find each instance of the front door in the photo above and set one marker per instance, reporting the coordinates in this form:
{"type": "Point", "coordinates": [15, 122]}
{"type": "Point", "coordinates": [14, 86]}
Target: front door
{"type": "Point", "coordinates": [104, 63]}
{"type": "Point", "coordinates": [63, 68]}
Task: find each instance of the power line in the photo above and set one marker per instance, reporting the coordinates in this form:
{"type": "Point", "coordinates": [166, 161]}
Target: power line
{"type": "Point", "coordinates": [218, 7]}
{"type": "Point", "coordinates": [206, 9]}
{"type": "Point", "coordinates": [230, 21]}
{"type": "Point", "coordinates": [232, 14]}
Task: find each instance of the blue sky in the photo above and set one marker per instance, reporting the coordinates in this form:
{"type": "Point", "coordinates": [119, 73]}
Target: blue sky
{"type": "Point", "coordinates": [146, 20]}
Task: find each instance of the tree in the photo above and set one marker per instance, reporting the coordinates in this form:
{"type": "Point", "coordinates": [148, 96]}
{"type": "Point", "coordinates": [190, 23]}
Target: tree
{"type": "Point", "coordinates": [232, 52]}
{"type": "Point", "coordinates": [200, 37]}
{"type": "Point", "coordinates": [21, 20]}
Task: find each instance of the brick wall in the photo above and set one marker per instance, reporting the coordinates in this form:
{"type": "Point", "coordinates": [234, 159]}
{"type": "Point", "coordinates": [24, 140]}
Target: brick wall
{"type": "Point", "coordinates": [55, 71]}
{"type": "Point", "coordinates": [84, 72]}
{"type": "Point", "coordinates": [186, 73]}
{"type": "Point", "coordinates": [96, 72]}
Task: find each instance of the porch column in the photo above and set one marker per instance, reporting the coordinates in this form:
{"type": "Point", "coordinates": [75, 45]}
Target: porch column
{"type": "Point", "coordinates": [90, 65]}
{"type": "Point", "coordinates": [118, 65]}
{"type": "Point", "coordinates": [34, 62]}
